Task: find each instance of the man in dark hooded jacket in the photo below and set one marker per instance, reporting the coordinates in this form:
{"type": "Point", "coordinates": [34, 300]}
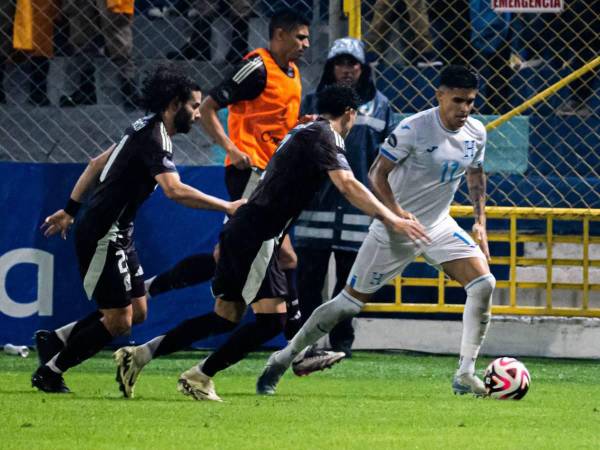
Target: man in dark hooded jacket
{"type": "Point", "coordinates": [331, 224]}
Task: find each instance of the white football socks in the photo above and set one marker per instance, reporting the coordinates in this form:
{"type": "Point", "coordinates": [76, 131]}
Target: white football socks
{"type": "Point", "coordinates": [147, 285]}
{"type": "Point", "coordinates": [320, 322]}
{"type": "Point", "coordinates": [52, 365]}
{"type": "Point", "coordinates": [64, 332]}
{"type": "Point", "coordinates": [476, 320]}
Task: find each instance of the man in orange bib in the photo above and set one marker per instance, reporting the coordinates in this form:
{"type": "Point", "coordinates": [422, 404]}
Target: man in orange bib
{"type": "Point", "coordinates": [263, 97]}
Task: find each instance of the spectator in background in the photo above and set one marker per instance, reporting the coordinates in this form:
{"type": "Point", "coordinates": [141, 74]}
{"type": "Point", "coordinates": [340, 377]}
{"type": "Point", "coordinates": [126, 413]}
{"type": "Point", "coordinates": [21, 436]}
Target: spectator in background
{"type": "Point", "coordinates": [345, 226]}
{"type": "Point", "coordinates": [113, 19]}
{"type": "Point", "coordinates": [156, 9]}
{"type": "Point", "coordinates": [452, 26]}
{"type": "Point", "coordinates": [535, 40]}
{"type": "Point", "coordinates": [491, 39]}
{"type": "Point", "coordinates": [198, 46]}
{"type": "Point", "coordinates": [417, 40]}
{"type": "Point", "coordinates": [29, 30]}
{"type": "Point", "coordinates": [578, 27]}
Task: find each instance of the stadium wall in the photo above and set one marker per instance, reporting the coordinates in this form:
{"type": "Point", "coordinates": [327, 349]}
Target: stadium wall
{"type": "Point", "coordinates": [40, 285]}
{"type": "Point", "coordinates": [554, 337]}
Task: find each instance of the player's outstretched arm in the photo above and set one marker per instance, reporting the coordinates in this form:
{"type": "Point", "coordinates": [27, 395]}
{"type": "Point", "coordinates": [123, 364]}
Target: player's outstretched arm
{"type": "Point", "coordinates": [186, 195]}
{"type": "Point", "coordinates": [476, 183]}
{"type": "Point", "coordinates": [378, 178]}
{"type": "Point", "coordinates": [212, 125]}
{"type": "Point", "coordinates": [363, 199]}
{"type": "Point", "coordinates": [62, 219]}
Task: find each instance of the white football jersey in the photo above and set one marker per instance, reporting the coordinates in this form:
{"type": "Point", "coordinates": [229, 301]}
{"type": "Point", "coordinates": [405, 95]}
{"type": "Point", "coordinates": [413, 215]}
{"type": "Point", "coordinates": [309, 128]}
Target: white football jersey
{"type": "Point", "coordinates": [431, 161]}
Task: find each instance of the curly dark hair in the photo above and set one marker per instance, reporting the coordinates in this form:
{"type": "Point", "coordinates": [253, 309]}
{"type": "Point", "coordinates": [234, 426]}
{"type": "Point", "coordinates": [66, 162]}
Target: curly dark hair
{"type": "Point", "coordinates": [165, 84]}
{"type": "Point", "coordinates": [457, 76]}
{"type": "Point", "coordinates": [336, 100]}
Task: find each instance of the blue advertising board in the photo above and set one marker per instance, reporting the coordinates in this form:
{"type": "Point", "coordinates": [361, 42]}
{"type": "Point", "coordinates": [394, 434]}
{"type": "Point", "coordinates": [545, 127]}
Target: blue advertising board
{"type": "Point", "coordinates": [40, 286]}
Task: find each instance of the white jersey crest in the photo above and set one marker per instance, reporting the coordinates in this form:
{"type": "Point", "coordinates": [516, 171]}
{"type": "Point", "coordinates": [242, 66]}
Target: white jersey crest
{"type": "Point", "coordinates": [431, 162]}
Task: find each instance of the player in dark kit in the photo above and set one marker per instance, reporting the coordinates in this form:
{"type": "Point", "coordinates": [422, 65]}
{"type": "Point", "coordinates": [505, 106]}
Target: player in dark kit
{"type": "Point", "coordinates": [126, 174]}
{"type": "Point", "coordinates": [249, 241]}
{"type": "Point", "coordinates": [263, 97]}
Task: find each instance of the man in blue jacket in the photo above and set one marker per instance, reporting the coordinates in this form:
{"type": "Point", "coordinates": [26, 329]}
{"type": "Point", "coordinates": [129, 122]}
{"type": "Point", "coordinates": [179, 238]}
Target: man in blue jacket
{"type": "Point", "coordinates": [331, 224]}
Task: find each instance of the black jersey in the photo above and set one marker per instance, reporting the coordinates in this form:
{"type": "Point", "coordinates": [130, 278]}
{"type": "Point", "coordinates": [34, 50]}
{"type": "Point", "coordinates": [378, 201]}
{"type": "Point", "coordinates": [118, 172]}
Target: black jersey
{"type": "Point", "coordinates": [293, 176]}
{"type": "Point", "coordinates": [127, 180]}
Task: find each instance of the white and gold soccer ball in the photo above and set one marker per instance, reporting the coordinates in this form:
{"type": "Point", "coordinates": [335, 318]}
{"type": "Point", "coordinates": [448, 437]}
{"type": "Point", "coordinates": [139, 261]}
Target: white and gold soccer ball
{"type": "Point", "coordinates": [507, 378]}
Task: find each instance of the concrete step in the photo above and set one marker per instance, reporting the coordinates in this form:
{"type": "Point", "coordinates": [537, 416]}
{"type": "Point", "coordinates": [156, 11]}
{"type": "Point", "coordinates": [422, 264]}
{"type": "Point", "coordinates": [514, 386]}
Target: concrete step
{"type": "Point", "coordinates": [560, 274]}
{"type": "Point", "coordinates": [554, 337]}
{"type": "Point", "coordinates": [561, 298]}
{"type": "Point", "coordinates": [560, 250]}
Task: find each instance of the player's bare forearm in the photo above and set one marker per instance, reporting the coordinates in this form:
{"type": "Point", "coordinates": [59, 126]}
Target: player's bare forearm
{"type": "Point", "coordinates": [382, 190]}
{"type": "Point", "coordinates": [378, 179]}
{"type": "Point", "coordinates": [359, 195]}
{"type": "Point", "coordinates": [90, 174]}
{"type": "Point", "coordinates": [476, 183]}
{"type": "Point", "coordinates": [363, 199]}
{"type": "Point", "coordinates": [211, 123]}
{"type": "Point", "coordinates": [191, 197]}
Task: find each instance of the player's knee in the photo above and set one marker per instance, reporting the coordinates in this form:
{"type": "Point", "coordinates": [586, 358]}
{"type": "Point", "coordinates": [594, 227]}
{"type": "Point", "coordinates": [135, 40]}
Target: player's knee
{"type": "Point", "coordinates": [139, 310]}
{"type": "Point", "coordinates": [287, 256]}
{"type": "Point", "coordinates": [118, 326]}
{"type": "Point", "coordinates": [230, 310]}
{"type": "Point", "coordinates": [481, 290]}
{"type": "Point", "coordinates": [139, 316]}
{"type": "Point", "coordinates": [287, 260]}
{"type": "Point", "coordinates": [118, 321]}
{"type": "Point", "coordinates": [341, 307]}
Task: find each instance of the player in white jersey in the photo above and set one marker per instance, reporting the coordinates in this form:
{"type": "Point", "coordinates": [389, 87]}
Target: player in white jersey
{"type": "Point", "coordinates": [416, 175]}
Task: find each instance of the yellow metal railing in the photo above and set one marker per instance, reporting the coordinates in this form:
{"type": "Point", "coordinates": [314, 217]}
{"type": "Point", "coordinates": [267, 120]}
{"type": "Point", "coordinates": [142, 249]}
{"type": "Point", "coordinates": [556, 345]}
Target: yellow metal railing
{"type": "Point", "coordinates": [588, 67]}
{"type": "Point", "coordinates": [513, 215]}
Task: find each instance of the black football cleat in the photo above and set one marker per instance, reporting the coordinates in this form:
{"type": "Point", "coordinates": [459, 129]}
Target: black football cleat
{"type": "Point", "coordinates": [46, 380]}
{"type": "Point", "coordinates": [48, 344]}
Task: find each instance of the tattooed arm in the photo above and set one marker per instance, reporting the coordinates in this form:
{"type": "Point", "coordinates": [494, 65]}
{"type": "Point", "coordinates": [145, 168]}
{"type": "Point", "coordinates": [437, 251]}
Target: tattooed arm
{"type": "Point", "coordinates": [476, 183]}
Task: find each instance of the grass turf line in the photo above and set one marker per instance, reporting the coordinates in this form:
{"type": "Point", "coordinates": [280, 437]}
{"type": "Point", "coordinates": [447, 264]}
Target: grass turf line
{"type": "Point", "coordinates": [373, 400]}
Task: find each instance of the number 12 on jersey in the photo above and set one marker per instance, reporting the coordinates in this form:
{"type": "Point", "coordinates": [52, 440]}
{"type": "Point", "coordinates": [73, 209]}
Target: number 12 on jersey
{"type": "Point", "coordinates": [449, 169]}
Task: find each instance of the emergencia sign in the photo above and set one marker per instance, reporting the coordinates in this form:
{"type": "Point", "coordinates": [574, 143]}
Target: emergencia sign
{"type": "Point", "coordinates": [539, 6]}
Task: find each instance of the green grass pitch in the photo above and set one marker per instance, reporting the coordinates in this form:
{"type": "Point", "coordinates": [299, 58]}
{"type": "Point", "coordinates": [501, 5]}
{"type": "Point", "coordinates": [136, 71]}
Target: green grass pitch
{"type": "Point", "coordinates": [373, 401]}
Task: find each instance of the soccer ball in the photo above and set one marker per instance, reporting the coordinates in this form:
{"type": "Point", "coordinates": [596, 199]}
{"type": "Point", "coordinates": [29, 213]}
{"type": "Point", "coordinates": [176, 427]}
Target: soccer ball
{"type": "Point", "coordinates": [506, 378]}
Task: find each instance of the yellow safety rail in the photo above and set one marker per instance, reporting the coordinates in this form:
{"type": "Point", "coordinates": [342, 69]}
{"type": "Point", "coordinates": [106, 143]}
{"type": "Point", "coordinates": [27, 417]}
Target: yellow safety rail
{"type": "Point", "coordinates": [513, 237]}
{"type": "Point", "coordinates": [589, 66]}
